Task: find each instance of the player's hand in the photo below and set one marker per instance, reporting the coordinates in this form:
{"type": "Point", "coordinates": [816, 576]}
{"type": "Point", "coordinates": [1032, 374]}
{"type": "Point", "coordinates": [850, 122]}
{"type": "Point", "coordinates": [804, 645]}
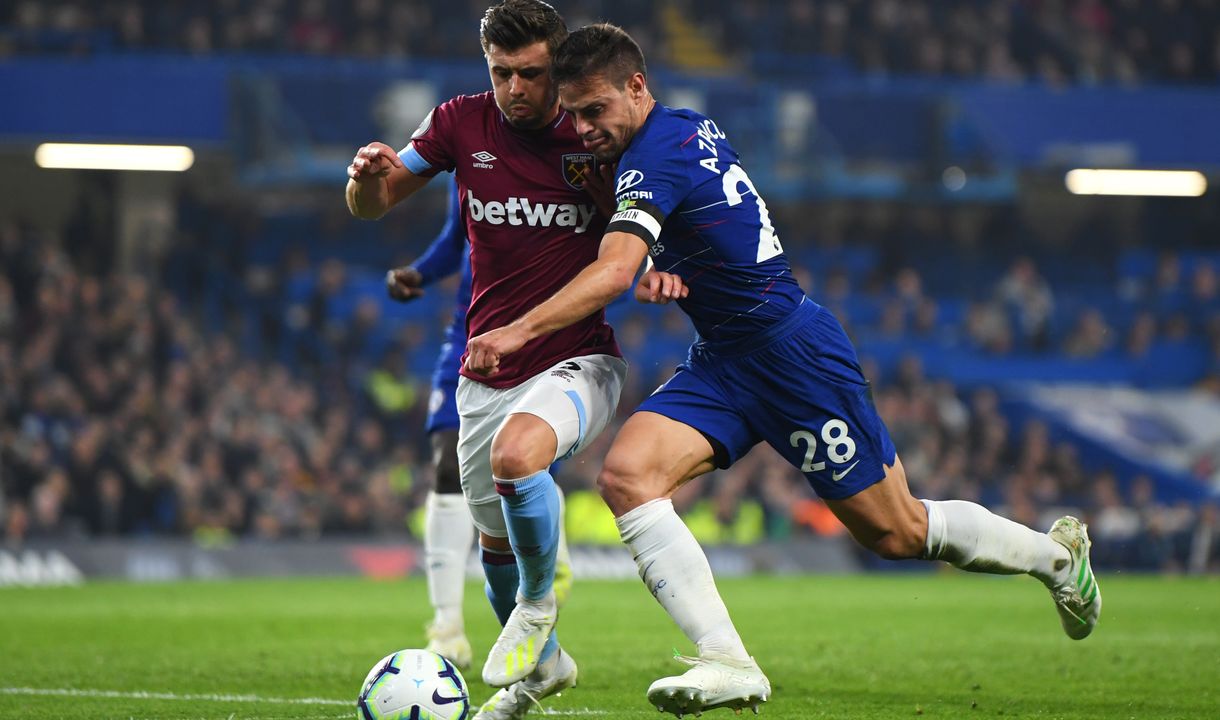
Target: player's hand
{"type": "Point", "coordinates": [483, 353]}
{"type": "Point", "coordinates": [600, 186]}
{"type": "Point", "coordinates": [404, 284]}
{"type": "Point", "coordinates": [660, 288]}
{"type": "Point", "coordinates": [373, 160]}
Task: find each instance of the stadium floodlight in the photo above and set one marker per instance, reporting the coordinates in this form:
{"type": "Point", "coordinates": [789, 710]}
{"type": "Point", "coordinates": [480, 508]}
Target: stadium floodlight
{"type": "Point", "coordinates": [1175, 183]}
{"type": "Point", "coordinates": [80, 156]}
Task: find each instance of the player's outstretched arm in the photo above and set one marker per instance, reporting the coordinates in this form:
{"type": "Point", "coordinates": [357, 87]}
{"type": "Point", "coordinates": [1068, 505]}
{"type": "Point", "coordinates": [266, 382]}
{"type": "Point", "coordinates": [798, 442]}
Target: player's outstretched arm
{"type": "Point", "coordinates": [378, 180]}
{"type": "Point", "coordinates": [593, 288]}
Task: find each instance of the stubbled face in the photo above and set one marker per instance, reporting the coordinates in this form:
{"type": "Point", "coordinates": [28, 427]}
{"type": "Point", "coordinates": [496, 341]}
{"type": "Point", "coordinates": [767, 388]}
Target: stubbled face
{"type": "Point", "coordinates": [522, 82]}
{"type": "Point", "coordinates": [606, 117]}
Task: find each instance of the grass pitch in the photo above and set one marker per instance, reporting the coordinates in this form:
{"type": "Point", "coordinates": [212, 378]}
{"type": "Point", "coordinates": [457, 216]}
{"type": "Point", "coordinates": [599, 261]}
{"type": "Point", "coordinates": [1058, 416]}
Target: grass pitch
{"type": "Point", "coordinates": [881, 646]}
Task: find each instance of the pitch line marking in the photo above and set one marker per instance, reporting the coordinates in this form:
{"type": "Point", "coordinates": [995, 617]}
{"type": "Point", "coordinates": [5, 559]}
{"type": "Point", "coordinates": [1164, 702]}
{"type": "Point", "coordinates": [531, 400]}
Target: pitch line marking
{"type": "Point", "coordinates": [219, 697]}
{"type": "Point", "coordinates": [344, 716]}
{"type": "Point", "coordinates": [144, 695]}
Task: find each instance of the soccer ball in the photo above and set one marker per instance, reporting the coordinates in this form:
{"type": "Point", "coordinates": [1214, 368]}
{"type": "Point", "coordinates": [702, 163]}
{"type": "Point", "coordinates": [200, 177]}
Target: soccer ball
{"type": "Point", "coordinates": [413, 685]}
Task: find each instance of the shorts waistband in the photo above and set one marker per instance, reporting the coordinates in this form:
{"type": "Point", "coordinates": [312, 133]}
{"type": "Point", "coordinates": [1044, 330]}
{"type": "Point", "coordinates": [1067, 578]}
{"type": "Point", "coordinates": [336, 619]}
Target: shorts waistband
{"type": "Point", "coordinates": [761, 339]}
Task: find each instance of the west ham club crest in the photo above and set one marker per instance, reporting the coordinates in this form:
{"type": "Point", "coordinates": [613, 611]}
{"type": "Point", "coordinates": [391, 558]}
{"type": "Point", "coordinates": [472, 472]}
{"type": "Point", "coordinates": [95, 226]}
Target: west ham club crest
{"type": "Point", "coordinates": [577, 167]}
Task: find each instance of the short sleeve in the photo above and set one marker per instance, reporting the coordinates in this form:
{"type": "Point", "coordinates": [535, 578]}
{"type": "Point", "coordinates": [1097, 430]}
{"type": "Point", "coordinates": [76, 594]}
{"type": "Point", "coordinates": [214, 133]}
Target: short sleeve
{"type": "Point", "coordinates": [431, 149]}
{"type": "Point", "coordinates": [652, 182]}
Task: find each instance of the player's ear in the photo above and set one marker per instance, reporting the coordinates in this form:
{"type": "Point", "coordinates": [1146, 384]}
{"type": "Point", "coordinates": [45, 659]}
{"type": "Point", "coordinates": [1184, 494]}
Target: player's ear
{"type": "Point", "coordinates": [636, 86]}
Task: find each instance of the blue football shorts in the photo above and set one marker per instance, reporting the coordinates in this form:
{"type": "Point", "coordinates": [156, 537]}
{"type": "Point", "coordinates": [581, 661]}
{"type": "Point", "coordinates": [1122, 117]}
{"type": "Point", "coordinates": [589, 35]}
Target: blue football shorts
{"type": "Point", "coordinates": [442, 402]}
{"type": "Point", "coordinates": [799, 387]}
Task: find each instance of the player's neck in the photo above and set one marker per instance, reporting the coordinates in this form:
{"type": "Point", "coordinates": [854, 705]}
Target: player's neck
{"type": "Point", "coordinates": [646, 108]}
{"type": "Point", "coordinates": [550, 116]}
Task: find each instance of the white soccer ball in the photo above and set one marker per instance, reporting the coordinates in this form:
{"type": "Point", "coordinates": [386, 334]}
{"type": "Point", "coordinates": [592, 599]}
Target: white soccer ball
{"type": "Point", "coordinates": [413, 685]}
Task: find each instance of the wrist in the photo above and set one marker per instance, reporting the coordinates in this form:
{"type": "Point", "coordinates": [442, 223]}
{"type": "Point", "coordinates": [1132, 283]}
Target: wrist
{"type": "Point", "coordinates": [524, 328]}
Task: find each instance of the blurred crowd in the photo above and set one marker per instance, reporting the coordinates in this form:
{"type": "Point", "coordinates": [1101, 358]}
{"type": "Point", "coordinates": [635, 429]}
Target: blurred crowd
{"type": "Point", "coordinates": [996, 286]}
{"type": "Point", "coordinates": [123, 413]}
{"type": "Point", "coordinates": [121, 418]}
{"type": "Point", "coordinates": [359, 28]}
{"type": "Point", "coordinates": [1052, 41]}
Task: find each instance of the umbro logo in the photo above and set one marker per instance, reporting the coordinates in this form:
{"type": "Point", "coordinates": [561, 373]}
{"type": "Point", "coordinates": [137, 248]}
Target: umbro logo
{"type": "Point", "coordinates": [484, 159]}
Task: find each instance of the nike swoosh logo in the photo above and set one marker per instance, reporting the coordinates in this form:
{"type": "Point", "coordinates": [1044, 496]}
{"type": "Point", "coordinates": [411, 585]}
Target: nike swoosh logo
{"type": "Point", "coordinates": [837, 476]}
{"type": "Point", "coordinates": [439, 700]}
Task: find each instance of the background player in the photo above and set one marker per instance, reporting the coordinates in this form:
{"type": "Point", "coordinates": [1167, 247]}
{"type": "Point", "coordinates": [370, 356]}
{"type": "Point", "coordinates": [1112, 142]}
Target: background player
{"type": "Point", "coordinates": [521, 171]}
{"type": "Point", "coordinates": [769, 365]}
{"type": "Point", "coordinates": [448, 531]}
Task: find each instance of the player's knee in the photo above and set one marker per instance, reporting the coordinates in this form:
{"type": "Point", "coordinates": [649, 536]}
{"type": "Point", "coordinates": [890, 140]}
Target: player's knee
{"type": "Point", "coordinates": [902, 541]}
{"type": "Point", "coordinates": [523, 446]}
{"type": "Point", "coordinates": [621, 487]}
{"type": "Point", "coordinates": [610, 482]}
{"type": "Point", "coordinates": [509, 460]}
{"type": "Point", "coordinates": [513, 458]}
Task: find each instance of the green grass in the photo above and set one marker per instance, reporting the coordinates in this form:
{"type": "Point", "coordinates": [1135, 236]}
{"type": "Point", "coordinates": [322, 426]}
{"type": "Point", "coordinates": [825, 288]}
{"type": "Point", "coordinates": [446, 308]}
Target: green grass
{"type": "Point", "coordinates": [948, 646]}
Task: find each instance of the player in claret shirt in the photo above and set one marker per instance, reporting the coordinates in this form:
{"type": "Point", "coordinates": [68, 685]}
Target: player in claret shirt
{"type": "Point", "coordinates": [523, 179]}
{"type": "Point", "coordinates": [448, 530]}
{"type": "Point", "coordinates": [769, 365]}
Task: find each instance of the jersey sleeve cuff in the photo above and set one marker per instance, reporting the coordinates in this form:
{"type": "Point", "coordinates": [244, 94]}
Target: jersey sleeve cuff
{"type": "Point", "coordinates": [413, 160]}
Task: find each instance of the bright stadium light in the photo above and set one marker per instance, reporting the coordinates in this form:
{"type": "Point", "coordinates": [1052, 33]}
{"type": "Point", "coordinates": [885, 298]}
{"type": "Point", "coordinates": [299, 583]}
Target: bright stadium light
{"type": "Point", "coordinates": [79, 156]}
{"type": "Point", "coordinates": [1176, 183]}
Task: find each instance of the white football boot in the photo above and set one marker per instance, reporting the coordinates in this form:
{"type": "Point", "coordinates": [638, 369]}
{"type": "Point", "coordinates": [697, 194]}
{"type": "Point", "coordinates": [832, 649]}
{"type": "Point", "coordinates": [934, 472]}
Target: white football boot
{"type": "Point", "coordinates": [552, 677]}
{"type": "Point", "coordinates": [712, 682]}
{"type": "Point", "coordinates": [1078, 599]}
{"type": "Point", "coordinates": [515, 653]}
{"type": "Point", "coordinates": [449, 641]}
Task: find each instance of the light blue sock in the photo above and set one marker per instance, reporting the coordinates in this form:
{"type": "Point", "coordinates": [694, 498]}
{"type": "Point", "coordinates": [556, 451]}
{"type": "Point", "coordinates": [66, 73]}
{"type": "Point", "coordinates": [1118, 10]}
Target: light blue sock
{"type": "Point", "coordinates": [531, 509]}
{"type": "Point", "coordinates": [501, 588]}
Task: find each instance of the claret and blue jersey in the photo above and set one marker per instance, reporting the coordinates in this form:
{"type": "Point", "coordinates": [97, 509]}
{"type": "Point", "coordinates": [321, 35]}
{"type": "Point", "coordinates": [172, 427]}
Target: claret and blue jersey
{"type": "Point", "coordinates": [681, 188]}
{"type": "Point", "coordinates": [770, 364]}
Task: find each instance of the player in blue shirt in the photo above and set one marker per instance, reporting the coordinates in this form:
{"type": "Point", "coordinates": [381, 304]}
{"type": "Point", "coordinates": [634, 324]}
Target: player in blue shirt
{"type": "Point", "coordinates": [448, 530]}
{"type": "Point", "coordinates": [769, 365]}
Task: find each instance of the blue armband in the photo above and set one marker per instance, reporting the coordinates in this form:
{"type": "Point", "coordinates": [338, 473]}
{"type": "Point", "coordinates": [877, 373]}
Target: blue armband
{"type": "Point", "coordinates": [413, 160]}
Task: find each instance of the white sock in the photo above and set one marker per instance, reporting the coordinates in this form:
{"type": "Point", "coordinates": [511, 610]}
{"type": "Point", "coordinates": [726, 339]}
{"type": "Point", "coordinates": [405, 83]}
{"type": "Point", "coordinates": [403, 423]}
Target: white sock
{"type": "Point", "coordinates": [970, 537]}
{"type": "Point", "coordinates": [675, 570]}
{"type": "Point", "coordinates": [448, 534]}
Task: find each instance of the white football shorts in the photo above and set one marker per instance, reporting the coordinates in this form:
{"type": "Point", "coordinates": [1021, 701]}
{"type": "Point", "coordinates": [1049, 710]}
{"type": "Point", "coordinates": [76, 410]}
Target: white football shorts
{"type": "Point", "coordinates": [576, 397]}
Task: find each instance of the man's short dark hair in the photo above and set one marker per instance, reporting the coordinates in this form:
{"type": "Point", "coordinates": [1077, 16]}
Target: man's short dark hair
{"type": "Point", "coordinates": [598, 50]}
{"type": "Point", "coordinates": [514, 24]}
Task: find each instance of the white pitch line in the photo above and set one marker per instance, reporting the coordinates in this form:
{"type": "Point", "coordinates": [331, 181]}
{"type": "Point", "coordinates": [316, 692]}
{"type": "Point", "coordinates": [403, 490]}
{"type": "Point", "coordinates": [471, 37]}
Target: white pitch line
{"type": "Point", "coordinates": [344, 716]}
{"type": "Point", "coordinates": [142, 695]}
{"type": "Point", "coordinates": [146, 695]}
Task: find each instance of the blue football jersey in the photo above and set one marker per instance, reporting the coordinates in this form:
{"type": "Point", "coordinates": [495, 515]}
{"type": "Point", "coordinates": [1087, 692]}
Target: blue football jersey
{"type": "Point", "coordinates": [681, 187]}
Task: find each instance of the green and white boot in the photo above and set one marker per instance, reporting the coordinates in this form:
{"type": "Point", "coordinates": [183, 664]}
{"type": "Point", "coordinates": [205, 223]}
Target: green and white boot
{"type": "Point", "coordinates": [1078, 599]}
